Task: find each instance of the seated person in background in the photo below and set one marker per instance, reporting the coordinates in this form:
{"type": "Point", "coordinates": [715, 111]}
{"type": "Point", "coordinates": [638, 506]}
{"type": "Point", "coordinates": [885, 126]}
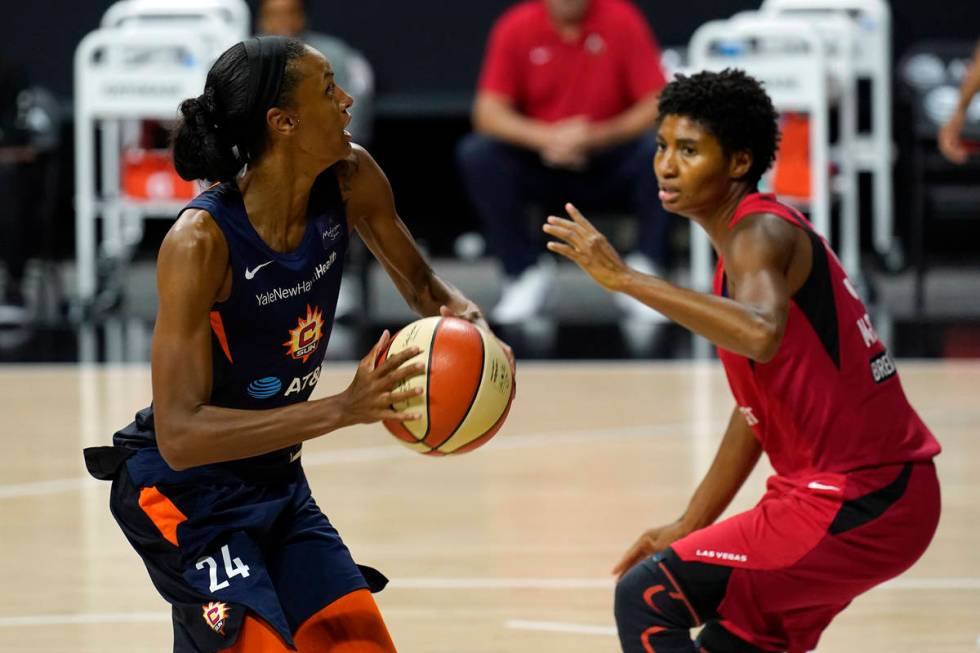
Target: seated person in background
{"type": "Point", "coordinates": [564, 109]}
{"type": "Point", "coordinates": [950, 142]}
{"type": "Point", "coordinates": [17, 158]}
{"type": "Point", "coordinates": [353, 72]}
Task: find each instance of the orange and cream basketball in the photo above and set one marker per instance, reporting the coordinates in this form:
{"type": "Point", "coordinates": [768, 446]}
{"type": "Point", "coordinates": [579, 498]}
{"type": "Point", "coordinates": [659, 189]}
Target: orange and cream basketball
{"type": "Point", "coordinates": [468, 386]}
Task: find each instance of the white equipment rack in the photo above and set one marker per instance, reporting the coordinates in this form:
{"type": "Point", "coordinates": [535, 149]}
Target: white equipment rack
{"type": "Point", "coordinates": [788, 57]}
{"type": "Point", "coordinates": [873, 149]}
{"type": "Point", "coordinates": [138, 66]}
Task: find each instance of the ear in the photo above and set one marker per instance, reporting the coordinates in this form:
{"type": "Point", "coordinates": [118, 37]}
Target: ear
{"type": "Point", "coordinates": [740, 163]}
{"type": "Point", "coordinates": [281, 121]}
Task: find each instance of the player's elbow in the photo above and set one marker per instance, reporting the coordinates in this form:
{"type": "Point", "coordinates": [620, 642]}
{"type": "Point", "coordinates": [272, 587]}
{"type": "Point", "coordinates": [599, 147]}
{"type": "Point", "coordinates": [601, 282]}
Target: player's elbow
{"type": "Point", "coordinates": [765, 342]}
{"type": "Point", "coordinates": [172, 444]}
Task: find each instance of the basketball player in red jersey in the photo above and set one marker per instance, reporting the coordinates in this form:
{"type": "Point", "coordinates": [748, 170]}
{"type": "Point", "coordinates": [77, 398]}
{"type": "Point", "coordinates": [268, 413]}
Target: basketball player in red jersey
{"type": "Point", "coordinates": [855, 498]}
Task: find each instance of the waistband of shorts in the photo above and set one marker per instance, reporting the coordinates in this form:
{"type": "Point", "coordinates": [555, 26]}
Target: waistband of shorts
{"type": "Point", "coordinates": [147, 468]}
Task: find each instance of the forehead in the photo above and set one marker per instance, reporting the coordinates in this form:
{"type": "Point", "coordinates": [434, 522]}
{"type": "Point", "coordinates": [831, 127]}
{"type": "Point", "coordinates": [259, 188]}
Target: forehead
{"type": "Point", "coordinates": [678, 126]}
{"type": "Point", "coordinates": [313, 66]}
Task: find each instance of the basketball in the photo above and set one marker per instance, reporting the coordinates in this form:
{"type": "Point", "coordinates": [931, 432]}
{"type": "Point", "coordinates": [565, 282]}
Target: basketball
{"type": "Point", "coordinates": [468, 386]}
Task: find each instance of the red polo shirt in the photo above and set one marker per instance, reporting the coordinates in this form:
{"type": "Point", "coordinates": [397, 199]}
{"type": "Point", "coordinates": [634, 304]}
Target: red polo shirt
{"type": "Point", "coordinates": [614, 62]}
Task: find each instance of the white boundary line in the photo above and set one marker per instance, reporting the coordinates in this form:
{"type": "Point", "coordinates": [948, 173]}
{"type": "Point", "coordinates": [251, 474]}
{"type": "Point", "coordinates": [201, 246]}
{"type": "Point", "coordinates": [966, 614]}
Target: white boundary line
{"type": "Point", "coordinates": [386, 452]}
{"type": "Point", "coordinates": [394, 452]}
{"type": "Point", "coordinates": [85, 618]}
{"type": "Point", "coordinates": [901, 584]}
{"type": "Point", "coordinates": [606, 584]}
{"type": "Point", "coordinates": [559, 627]}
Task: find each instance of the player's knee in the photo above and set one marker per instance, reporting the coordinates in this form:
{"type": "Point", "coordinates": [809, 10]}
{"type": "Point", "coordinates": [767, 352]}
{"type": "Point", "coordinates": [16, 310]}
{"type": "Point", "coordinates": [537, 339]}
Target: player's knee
{"type": "Point", "coordinates": [644, 598]}
{"type": "Point", "coordinates": [351, 624]}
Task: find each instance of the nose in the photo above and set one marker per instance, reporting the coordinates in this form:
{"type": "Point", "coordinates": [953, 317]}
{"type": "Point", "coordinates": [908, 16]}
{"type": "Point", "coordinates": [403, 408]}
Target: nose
{"type": "Point", "coordinates": [665, 163]}
{"type": "Point", "coordinates": [346, 99]}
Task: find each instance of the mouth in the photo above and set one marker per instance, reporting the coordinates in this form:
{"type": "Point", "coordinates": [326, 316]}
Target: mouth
{"type": "Point", "coordinates": [668, 194]}
{"type": "Point", "coordinates": [347, 136]}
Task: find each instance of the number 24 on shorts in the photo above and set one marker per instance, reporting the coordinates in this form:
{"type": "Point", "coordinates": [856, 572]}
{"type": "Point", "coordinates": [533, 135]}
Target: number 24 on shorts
{"type": "Point", "coordinates": [233, 567]}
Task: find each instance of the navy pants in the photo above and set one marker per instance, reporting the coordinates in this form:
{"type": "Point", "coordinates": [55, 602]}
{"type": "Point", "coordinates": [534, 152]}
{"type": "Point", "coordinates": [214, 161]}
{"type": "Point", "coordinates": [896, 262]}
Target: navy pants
{"type": "Point", "coordinates": [502, 181]}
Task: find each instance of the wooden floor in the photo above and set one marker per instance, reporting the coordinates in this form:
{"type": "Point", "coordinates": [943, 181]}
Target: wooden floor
{"type": "Point", "coordinates": [507, 549]}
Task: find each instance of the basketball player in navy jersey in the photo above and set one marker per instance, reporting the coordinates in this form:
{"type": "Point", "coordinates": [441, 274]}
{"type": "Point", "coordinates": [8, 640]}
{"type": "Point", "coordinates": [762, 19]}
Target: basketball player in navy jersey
{"type": "Point", "coordinates": [855, 498]}
{"type": "Point", "coordinates": [207, 483]}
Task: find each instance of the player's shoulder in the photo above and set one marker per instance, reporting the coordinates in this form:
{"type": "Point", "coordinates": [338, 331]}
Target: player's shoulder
{"type": "Point", "coordinates": [194, 236]}
{"type": "Point", "coordinates": [761, 235]}
{"type": "Point", "coordinates": [764, 225]}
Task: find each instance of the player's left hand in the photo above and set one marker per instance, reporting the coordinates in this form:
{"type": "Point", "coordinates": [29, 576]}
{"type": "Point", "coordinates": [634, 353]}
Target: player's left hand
{"type": "Point", "coordinates": [586, 246]}
{"type": "Point", "coordinates": [472, 314]}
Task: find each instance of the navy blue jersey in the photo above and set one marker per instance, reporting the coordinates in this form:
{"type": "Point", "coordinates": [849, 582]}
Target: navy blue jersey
{"type": "Point", "coordinates": [269, 337]}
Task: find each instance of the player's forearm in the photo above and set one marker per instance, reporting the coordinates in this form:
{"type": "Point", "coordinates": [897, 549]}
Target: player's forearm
{"type": "Point", "coordinates": [494, 118]}
{"type": "Point", "coordinates": [736, 458]}
{"type": "Point", "coordinates": [971, 83]}
{"type": "Point", "coordinates": [728, 324]}
{"type": "Point", "coordinates": [437, 292]}
{"type": "Point", "coordinates": [627, 126]}
{"type": "Point", "coordinates": [211, 434]}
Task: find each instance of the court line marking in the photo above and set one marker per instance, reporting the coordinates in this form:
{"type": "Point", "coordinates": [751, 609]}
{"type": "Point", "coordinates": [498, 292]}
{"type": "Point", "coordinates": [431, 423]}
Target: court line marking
{"type": "Point", "coordinates": [85, 618]}
{"type": "Point", "coordinates": [393, 452]}
{"type": "Point", "coordinates": [387, 452]}
{"type": "Point", "coordinates": [899, 584]}
{"type": "Point", "coordinates": [559, 627]}
{"type": "Point", "coordinates": [82, 618]}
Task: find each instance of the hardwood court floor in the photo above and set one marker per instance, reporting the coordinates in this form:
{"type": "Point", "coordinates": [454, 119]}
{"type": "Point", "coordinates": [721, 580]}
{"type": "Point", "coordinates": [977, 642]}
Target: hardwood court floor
{"type": "Point", "coordinates": [504, 550]}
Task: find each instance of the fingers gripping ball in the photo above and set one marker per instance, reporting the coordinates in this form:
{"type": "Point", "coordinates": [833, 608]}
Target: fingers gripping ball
{"type": "Point", "coordinates": [468, 386]}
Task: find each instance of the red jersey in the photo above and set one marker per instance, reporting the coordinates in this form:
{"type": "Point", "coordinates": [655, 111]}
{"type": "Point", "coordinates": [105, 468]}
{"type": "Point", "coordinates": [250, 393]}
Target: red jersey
{"type": "Point", "coordinates": [830, 400]}
{"type": "Point", "coordinates": [614, 63]}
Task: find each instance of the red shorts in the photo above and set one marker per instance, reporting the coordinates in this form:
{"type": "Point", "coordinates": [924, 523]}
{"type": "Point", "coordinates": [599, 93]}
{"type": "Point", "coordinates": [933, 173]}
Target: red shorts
{"type": "Point", "coordinates": [811, 545]}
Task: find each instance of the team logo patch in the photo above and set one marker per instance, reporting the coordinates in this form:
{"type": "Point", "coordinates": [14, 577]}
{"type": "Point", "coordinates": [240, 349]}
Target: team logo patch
{"type": "Point", "coordinates": [264, 388]}
{"type": "Point", "coordinates": [305, 338]}
{"type": "Point", "coordinates": [215, 615]}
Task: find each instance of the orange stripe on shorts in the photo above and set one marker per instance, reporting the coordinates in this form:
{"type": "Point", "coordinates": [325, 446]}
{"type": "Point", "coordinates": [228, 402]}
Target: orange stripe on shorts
{"type": "Point", "coordinates": [162, 512]}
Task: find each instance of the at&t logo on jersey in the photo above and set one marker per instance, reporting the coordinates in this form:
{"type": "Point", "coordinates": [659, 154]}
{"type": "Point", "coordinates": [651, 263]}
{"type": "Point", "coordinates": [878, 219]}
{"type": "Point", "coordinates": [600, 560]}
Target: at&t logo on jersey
{"type": "Point", "coordinates": [301, 383]}
{"type": "Point", "coordinates": [264, 388]}
{"type": "Point", "coordinates": [215, 615]}
{"type": "Point", "coordinates": [305, 338]}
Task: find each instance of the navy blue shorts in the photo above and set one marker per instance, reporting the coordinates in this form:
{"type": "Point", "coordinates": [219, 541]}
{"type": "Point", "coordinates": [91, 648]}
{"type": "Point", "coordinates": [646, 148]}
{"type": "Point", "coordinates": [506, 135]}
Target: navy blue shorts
{"type": "Point", "coordinates": [219, 540]}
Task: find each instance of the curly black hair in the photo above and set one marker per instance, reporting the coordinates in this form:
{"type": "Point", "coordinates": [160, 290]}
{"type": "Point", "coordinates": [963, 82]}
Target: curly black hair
{"type": "Point", "coordinates": [734, 107]}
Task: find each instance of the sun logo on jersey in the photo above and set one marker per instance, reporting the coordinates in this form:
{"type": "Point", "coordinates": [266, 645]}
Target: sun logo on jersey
{"type": "Point", "coordinates": [215, 615]}
{"type": "Point", "coordinates": [305, 338]}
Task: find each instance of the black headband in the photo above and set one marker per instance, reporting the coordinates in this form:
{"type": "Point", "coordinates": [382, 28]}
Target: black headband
{"type": "Point", "coordinates": [266, 57]}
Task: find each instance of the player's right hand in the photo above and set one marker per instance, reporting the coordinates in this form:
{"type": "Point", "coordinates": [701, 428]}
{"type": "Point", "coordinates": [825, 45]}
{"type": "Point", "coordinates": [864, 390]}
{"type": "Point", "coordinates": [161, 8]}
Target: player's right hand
{"type": "Point", "coordinates": [372, 394]}
{"type": "Point", "coordinates": [652, 541]}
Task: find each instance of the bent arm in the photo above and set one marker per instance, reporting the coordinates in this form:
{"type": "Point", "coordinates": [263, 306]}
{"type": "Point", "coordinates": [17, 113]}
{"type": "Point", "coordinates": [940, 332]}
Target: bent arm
{"type": "Point", "coordinates": [494, 115]}
{"type": "Point", "coordinates": [191, 270]}
{"type": "Point", "coordinates": [753, 320]}
{"type": "Point", "coordinates": [371, 210]}
{"type": "Point", "coordinates": [737, 456]}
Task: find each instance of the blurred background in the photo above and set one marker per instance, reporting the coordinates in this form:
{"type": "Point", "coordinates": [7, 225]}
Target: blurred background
{"type": "Point", "coordinates": [88, 91]}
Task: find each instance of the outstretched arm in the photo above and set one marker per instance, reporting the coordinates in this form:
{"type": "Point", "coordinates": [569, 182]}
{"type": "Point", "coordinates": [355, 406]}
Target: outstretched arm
{"type": "Point", "coordinates": [750, 323]}
{"type": "Point", "coordinates": [191, 271]}
{"type": "Point", "coordinates": [736, 458]}
{"type": "Point", "coordinates": [949, 135]}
